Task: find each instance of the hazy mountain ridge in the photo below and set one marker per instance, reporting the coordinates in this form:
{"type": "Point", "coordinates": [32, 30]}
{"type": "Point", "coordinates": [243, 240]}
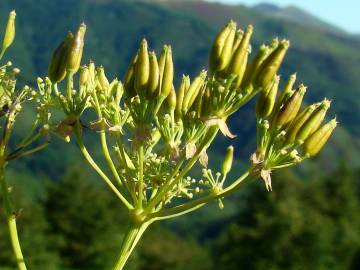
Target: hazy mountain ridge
{"type": "Point", "coordinates": [297, 15]}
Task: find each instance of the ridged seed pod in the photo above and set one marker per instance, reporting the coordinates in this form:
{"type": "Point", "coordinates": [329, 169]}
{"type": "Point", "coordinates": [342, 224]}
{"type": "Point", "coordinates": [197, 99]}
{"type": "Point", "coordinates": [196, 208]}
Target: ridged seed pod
{"type": "Point", "coordinates": [153, 77]}
{"type": "Point", "coordinates": [266, 99]}
{"type": "Point", "coordinates": [181, 93]}
{"type": "Point", "coordinates": [84, 75]}
{"type": "Point", "coordinates": [253, 68]}
{"type": "Point", "coordinates": [9, 35]}
{"type": "Point", "coordinates": [228, 160]}
{"type": "Point", "coordinates": [221, 47]}
{"type": "Point", "coordinates": [317, 140]}
{"type": "Point", "coordinates": [76, 50]}
{"type": "Point", "coordinates": [237, 40]}
{"type": "Point", "coordinates": [272, 64]}
{"type": "Point", "coordinates": [92, 73]}
{"type": "Point", "coordinates": [58, 62]}
{"type": "Point", "coordinates": [129, 79]}
{"type": "Point", "coordinates": [171, 99]}
{"type": "Point", "coordinates": [142, 68]}
{"type": "Point", "coordinates": [193, 91]}
{"type": "Point", "coordinates": [237, 64]}
{"type": "Point", "coordinates": [119, 93]}
{"type": "Point", "coordinates": [290, 108]}
{"type": "Point", "coordinates": [104, 82]}
{"type": "Point", "coordinates": [298, 123]}
{"type": "Point", "coordinates": [288, 88]}
{"type": "Point", "coordinates": [168, 74]}
{"type": "Point", "coordinates": [313, 122]}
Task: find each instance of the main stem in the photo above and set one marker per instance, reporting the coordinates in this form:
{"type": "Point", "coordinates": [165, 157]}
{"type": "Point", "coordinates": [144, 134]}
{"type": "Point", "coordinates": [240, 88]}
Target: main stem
{"type": "Point", "coordinates": [11, 221]}
{"type": "Point", "coordinates": [131, 238]}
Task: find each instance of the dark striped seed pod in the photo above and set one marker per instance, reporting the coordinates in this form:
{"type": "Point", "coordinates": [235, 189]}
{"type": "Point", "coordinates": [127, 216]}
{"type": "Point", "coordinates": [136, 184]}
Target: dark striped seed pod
{"type": "Point", "coordinates": [181, 93]}
{"type": "Point", "coordinates": [298, 123]}
{"type": "Point", "coordinates": [253, 68]}
{"type": "Point", "coordinates": [119, 93]}
{"type": "Point", "coordinates": [236, 65]}
{"type": "Point", "coordinates": [193, 91]}
{"type": "Point", "coordinates": [76, 50]}
{"type": "Point", "coordinates": [129, 79]}
{"type": "Point", "coordinates": [266, 99]}
{"type": "Point", "coordinates": [313, 122]}
{"type": "Point", "coordinates": [272, 64]}
{"type": "Point", "coordinates": [288, 88]}
{"type": "Point", "coordinates": [317, 140]}
{"type": "Point", "coordinates": [290, 108]}
{"type": "Point", "coordinates": [58, 62]}
{"type": "Point", "coordinates": [221, 50]}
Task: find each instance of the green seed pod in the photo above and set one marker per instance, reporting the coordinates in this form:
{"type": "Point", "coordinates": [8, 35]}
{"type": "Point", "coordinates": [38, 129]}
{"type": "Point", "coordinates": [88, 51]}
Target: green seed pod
{"type": "Point", "coordinates": [58, 62]}
{"type": "Point", "coordinates": [226, 52]}
{"type": "Point", "coordinates": [171, 99]}
{"type": "Point", "coordinates": [154, 76]}
{"type": "Point", "coordinates": [317, 140]}
{"type": "Point", "coordinates": [240, 55]}
{"type": "Point", "coordinates": [181, 93]}
{"type": "Point", "coordinates": [92, 73]}
{"type": "Point", "coordinates": [162, 61]}
{"type": "Point", "coordinates": [9, 35]}
{"type": "Point", "coordinates": [274, 44]}
{"type": "Point", "coordinates": [298, 123]}
{"type": "Point", "coordinates": [266, 100]}
{"type": "Point", "coordinates": [193, 91]}
{"type": "Point", "coordinates": [76, 50]}
{"type": "Point", "coordinates": [221, 47]}
{"type": "Point", "coordinates": [84, 75]}
{"type": "Point", "coordinates": [198, 102]}
{"type": "Point", "coordinates": [168, 74]}
{"type": "Point", "coordinates": [103, 81]}
{"type": "Point", "coordinates": [288, 88]}
{"type": "Point", "coordinates": [142, 68]}
{"type": "Point", "coordinates": [313, 122]}
{"type": "Point", "coordinates": [253, 68]}
{"type": "Point", "coordinates": [228, 160]}
{"type": "Point", "coordinates": [129, 78]}
{"type": "Point", "coordinates": [111, 90]}
{"type": "Point", "coordinates": [119, 93]}
{"type": "Point", "coordinates": [290, 108]}
{"type": "Point", "coordinates": [238, 37]}
{"type": "Point", "coordinates": [271, 65]}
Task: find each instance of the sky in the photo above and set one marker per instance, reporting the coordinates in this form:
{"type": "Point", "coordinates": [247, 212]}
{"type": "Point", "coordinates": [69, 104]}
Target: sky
{"type": "Point", "coordinates": [343, 13]}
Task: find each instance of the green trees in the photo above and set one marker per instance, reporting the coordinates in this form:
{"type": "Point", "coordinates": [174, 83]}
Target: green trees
{"type": "Point", "coordinates": [300, 225]}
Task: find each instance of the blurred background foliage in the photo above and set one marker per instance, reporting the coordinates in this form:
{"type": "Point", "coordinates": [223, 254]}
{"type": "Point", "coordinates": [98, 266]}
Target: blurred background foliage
{"type": "Point", "coordinates": [69, 220]}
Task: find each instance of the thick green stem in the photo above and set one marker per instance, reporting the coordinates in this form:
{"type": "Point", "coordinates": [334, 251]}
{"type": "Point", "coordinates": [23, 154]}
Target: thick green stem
{"type": "Point", "coordinates": [11, 221]}
{"type": "Point", "coordinates": [131, 238]}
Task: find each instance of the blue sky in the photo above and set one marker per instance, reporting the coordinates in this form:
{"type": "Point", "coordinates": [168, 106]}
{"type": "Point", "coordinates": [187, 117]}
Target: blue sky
{"type": "Point", "coordinates": [343, 13]}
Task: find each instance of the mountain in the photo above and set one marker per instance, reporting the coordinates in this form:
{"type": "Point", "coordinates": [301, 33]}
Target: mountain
{"type": "Point", "coordinates": [297, 15]}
